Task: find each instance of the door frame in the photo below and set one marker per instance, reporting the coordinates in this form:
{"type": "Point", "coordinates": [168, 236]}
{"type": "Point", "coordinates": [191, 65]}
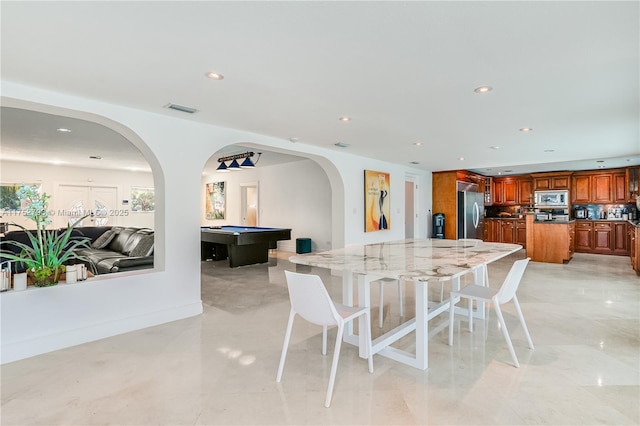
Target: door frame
{"type": "Point", "coordinates": [243, 201]}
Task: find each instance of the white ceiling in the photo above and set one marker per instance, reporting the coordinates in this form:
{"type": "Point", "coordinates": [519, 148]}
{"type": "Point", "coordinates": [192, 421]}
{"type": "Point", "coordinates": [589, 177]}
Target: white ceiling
{"type": "Point", "coordinates": [403, 71]}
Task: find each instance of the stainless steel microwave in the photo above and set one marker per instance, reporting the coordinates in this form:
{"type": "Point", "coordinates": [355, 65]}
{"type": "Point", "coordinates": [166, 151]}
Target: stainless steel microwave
{"type": "Point", "coordinates": [551, 199]}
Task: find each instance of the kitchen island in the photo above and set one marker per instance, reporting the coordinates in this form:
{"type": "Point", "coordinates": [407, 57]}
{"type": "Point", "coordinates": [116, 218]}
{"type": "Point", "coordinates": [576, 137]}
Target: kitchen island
{"type": "Point", "coordinates": [550, 241]}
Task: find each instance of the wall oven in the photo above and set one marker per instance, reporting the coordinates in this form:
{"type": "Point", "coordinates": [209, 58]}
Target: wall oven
{"type": "Point", "coordinates": [551, 199]}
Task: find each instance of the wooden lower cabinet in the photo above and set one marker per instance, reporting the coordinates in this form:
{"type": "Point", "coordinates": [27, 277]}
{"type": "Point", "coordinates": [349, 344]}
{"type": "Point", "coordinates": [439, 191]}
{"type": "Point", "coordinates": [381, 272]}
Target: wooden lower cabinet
{"type": "Point", "coordinates": [633, 237]}
{"type": "Point", "coordinates": [507, 231]}
{"type": "Point", "coordinates": [512, 231]}
{"type": "Point", "coordinates": [584, 237]}
{"type": "Point", "coordinates": [602, 237]}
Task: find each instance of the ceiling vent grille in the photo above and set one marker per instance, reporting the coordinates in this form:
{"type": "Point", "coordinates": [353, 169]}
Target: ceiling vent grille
{"type": "Point", "coordinates": [181, 108]}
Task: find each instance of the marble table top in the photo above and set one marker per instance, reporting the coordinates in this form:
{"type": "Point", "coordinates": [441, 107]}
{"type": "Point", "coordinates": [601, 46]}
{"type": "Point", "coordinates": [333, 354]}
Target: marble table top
{"type": "Point", "coordinates": [411, 259]}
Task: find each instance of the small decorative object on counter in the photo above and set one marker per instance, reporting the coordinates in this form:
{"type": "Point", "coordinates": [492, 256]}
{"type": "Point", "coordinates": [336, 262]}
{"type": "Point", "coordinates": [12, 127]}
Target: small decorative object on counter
{"type": "Point", "coordinates": [20, 281]}
{"type": "Point", "coordinates": [5, 276]}
{"type": "Point", "coordinates": [72, 274]}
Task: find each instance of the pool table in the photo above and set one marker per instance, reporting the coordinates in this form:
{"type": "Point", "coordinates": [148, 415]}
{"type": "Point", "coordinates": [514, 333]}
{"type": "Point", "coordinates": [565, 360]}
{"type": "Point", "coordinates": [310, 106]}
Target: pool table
{"type": "Point", "coordinates": [243, 245]}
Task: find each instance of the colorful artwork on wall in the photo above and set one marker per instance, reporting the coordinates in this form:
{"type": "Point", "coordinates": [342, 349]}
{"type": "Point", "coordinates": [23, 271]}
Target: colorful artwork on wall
{"type": "Point", "coordinates": [215, 201]}
{"type": "Point", "coordinates": [377, 203]}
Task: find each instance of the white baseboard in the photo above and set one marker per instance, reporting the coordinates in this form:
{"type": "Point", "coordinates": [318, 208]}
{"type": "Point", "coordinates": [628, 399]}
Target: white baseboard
{"type": "Point", "coordinates": [15, 351]}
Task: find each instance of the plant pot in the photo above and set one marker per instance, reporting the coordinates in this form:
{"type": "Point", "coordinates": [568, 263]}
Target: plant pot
{"type": "Point", "coordinates": [39, 279]}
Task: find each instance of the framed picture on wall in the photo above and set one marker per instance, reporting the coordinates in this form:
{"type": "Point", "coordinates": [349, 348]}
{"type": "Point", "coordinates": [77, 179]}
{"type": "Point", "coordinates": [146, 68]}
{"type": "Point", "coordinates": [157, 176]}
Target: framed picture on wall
{"type": "Point", "coordinates": [9, 200]}
{"type": "Point", "coordinates": [142, 199]}
{"type": "Point", "coordinates": [216, 203]}
{"type": "Point", "coordinates": [376, 201]}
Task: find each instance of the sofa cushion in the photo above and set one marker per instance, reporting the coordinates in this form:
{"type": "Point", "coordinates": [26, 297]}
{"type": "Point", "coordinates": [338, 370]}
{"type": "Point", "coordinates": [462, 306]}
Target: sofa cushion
{"type": "Point", "coordinates": [103, 240]}
{"type": "Point", "coordinates": [144, 247]}
{"type": "Point", "coordinates": [120, 240]}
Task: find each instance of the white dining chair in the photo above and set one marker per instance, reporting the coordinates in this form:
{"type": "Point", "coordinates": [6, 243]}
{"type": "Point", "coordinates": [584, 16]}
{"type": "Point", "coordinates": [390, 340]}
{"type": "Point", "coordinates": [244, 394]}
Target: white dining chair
{"type": "Point", "coordinates": [382, 282]}
{"type": "Point", "coordinates": [310, 299]}
{"type": "Point", "coordinates": [496, 297]}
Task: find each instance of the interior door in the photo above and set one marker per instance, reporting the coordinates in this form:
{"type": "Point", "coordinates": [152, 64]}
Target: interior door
{"type": "Point", "coordinates": [75, 201]}
{"type": "Point", "coordinates": [249, 201]}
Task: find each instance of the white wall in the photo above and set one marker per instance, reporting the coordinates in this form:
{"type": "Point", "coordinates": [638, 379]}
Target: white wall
{"type": "Point", "coordinates": [41, 320]}
{"type": "Point", "coordinates": [50, 176]}
{"type": "Point", "coordinates": [294, 195]}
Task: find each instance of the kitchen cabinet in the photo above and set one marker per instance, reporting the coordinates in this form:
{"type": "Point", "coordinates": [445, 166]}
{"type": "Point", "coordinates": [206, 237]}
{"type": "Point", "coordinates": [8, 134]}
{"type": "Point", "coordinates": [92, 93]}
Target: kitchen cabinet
{"type": "Point", "coordinates": [521, 232]}
{"type": "Point", "coordinates": [604, 187]}
{"type": "Point", "coordinates": [553, 180]}
{"type": "Point", "coordinates": [619, 188]}
{"type": "Point", "coordinates": [632, 178]}
{"type": "Point", "coordinates": [492, 230]}
{"type": "Point", "coordinates": [508, 231]}
{"type": "Point", "coordinates": [505, 191]}
{"type": "Point", "coordinates": [581, 192]}
{"type": "Point", "coordinates": [512, 231]}
{"type": "Point", "coordinates": [620, 244]}
{"type": "Point", "coordinates": [488, 191]}
{"type": "Point", "coordinates": [549, 242]}
{"type": "Point", "coordinates": [602, 237]}
{"type": "Point", "coordinates": [525, 192]}
{"type": "Point", "coordinates": [633, 233]}
{"type": "Point", "coordinates": [601, 188]}
{"type": "Point", "coordinates": [583, 237]}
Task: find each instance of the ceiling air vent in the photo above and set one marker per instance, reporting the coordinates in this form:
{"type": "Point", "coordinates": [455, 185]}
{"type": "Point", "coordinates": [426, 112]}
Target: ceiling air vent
{"type": "Point", "coordinates": [181, 108]}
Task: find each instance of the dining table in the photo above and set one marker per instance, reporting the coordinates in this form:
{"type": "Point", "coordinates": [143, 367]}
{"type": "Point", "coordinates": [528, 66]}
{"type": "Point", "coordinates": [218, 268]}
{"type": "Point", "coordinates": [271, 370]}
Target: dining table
{"type": "Point", "coordinates": [421, 261]}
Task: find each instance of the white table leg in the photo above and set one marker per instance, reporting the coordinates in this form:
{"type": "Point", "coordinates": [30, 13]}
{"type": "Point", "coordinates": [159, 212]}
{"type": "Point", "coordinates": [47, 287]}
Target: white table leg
{"type": "Point", "coordinates": [364, 299]}
{"type": "Point", "coordinates": [347, 299]}
{"type": "Point", "coordinates": [422, 326]}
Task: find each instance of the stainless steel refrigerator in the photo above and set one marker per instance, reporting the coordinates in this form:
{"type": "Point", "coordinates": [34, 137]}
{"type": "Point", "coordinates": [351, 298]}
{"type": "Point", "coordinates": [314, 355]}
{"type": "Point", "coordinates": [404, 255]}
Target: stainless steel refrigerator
{"type": "Point", "coordinates": [470, 212]}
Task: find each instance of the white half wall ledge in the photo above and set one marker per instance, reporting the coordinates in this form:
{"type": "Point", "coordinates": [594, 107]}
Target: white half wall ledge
{"type": "Point", "coordinates": [15, 351]}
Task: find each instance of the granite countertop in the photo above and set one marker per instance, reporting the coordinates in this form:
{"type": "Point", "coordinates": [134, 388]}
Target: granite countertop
{"type": "Point", "coordinates": [632, 222]}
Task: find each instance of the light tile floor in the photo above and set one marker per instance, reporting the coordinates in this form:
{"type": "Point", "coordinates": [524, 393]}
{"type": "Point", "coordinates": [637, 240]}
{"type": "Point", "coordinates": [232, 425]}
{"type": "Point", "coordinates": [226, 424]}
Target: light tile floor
{"type": "Point", "coordinates": [220, 367]}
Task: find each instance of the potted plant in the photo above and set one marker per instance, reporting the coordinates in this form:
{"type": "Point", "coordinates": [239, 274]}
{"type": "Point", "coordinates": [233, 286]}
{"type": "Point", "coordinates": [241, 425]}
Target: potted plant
{"type": "Point", "coordinates": [48, 250]}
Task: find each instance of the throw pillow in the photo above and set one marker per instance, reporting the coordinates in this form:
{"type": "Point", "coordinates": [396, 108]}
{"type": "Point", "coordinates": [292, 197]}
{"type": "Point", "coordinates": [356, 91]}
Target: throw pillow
{"type": "Point", "coordinates": [103, 240]}
{"type": "Point", "coordinates": [144, 247]}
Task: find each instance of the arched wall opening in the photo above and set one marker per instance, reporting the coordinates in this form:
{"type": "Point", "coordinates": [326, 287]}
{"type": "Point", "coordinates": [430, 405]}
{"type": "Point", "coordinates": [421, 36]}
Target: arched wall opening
{"type": "Point", "coordinates": [157, 184]}
{"type": "Point", "coordinates": [297, 190]}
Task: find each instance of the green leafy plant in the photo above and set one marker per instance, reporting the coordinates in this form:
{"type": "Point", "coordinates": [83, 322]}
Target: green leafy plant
{"type": "Point", "coordinates": [48, 250]}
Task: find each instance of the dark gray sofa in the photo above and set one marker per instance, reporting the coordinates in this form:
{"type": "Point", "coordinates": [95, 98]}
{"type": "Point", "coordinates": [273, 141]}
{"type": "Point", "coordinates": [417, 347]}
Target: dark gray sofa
{"type": "Point", "coordinates": [117, 249]}
{"type": "Point", "coordinates": [112, 249]}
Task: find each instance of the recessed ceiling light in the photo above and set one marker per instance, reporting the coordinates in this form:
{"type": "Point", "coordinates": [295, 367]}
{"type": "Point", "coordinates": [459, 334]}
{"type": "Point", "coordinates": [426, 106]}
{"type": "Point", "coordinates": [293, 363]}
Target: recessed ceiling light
{"type": "Point", "coordinates": [345, 118]}
{"type": "Point", "coordinates": [63, 130]}
{"type": "Point", "coordinates": [294, 140]}
{"type": "Point", "coordinates": [415, 162]}
{"type": "Point", "coordinates": [214, 76]}
{"type": "Point", "coordinates": [461, 158]}
{"type": "Point", "coordinates": [508, 171]}
{"type": "Point", "coordinates": [526, 129]}
{"type": "Point", "coordinates": [483, 89]}
{"type": "Point", "coordinates": [417, 143]}
{"type": "Point", "coordinates": [341, 144]}
{"type": "Point", "coordinates": [549, 150]}
{"type": "Point", "coordinates": [95, 157]}
{"type": "Point", "coordinates": [494, 147]}
{"type": "Point", "coordinates": [599, 161]}
{"type": "Point", "coordinates": [602, 166]}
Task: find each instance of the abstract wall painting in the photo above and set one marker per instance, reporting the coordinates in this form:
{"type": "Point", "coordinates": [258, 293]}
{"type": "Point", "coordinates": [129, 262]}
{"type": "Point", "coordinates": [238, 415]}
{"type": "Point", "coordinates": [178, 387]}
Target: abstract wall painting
{"type": "Point", "coordinates": [377, 203]}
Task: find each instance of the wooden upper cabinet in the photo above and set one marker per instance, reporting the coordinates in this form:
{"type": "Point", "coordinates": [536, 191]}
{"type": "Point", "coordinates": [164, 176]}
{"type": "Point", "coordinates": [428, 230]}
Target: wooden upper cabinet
{"type": "Point", "coordinates": [505, 191]}
{"type": "Point", "coordinates": [525, 191]}
{"type": "Point", "coordinates": [581, 193]}
{"type": "Point", "coordinates": [619, 188]}
{"type": "Point", "coordinates": [601, 185]}
{"type": "Point", "coordinates": [632, 183]}
{"type": "Point", "coordinates": [554, 180]}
